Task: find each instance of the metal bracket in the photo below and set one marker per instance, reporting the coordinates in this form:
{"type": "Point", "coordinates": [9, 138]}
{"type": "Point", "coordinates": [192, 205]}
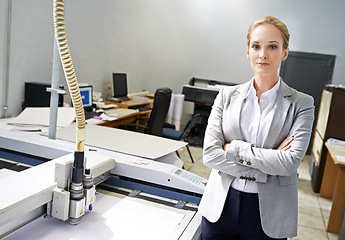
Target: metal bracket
{"type": "Point", "coordinates": [134, 193]}
{"type": "Point", "coordinates": [180, 204]}
{"type": "Point", "coordinates": [59, 91]}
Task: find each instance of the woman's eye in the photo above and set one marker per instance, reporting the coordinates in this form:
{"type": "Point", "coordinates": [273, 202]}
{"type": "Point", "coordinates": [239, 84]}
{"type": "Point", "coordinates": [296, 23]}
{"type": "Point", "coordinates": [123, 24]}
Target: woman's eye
{"type": "Point", "coordinates": [273, 47]}
{"type": "Point", "coordinates": [255, 47]}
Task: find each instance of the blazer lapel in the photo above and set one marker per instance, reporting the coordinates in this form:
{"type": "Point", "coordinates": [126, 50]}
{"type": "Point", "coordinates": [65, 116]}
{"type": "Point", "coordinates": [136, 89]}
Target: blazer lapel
{"type": "Point", "coordinates": [282, 107]}
{"type": "Point", "coordinates": [236, 106]}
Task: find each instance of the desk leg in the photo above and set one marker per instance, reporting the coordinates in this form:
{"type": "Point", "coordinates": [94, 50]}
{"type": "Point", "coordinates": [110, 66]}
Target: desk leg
{"type": "Point", "coordinates": [336, 216]}
{"type": "Point", "coordinates": [329, 178]}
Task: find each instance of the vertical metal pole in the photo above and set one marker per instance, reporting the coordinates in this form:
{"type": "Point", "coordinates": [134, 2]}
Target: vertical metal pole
{"type": "Point", "coordinates": [54, 97]}
{"type": "Point", "coordinates": [7, 70]}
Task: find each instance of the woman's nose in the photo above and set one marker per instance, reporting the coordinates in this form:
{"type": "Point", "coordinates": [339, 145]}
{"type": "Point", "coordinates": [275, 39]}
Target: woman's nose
{"type": "Point", "coordinates": [263, 55]}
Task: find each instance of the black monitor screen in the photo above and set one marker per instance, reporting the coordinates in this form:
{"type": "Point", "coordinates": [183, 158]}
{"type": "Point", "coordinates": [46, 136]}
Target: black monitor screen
{"type": "Point", "coordinates": [86, 96]}
{"type": "Point", "coordinates": [119, 84]}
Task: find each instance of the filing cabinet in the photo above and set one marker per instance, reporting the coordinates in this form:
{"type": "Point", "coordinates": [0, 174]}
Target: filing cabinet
{"type": "Point", "coordinates": [330, 124]}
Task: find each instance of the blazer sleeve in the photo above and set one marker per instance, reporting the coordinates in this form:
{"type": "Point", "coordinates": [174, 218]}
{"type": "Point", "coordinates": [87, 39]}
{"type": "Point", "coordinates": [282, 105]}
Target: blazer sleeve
{"type": "Point", "coordinates": [277, 162]}
{"type": "Point", "coordinates": [214, 156]}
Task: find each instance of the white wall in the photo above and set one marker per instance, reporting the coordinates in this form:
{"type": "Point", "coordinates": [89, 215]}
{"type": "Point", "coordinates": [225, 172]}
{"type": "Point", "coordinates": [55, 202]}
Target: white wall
{"type": "Point", "coordinates": [3, 24]}
{"type": "Point", "coordinates": [160, 43]}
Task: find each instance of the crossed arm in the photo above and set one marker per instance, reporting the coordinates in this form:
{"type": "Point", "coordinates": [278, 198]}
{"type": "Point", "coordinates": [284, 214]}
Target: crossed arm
{"type": "Point", "coordinates": [285, 145]}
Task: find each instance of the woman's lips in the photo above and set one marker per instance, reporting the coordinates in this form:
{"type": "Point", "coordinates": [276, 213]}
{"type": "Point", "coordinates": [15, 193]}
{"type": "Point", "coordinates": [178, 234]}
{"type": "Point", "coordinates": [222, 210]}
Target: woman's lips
{"type": "Point", "coordinates": [262, 64]}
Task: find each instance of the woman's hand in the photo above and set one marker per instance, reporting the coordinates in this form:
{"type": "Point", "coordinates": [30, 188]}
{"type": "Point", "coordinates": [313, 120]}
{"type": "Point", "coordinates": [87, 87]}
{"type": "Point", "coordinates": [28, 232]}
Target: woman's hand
{"type": "Point", "coordinates": [285, 145]}
{"type": "Point", "coordinates": [225, 146]}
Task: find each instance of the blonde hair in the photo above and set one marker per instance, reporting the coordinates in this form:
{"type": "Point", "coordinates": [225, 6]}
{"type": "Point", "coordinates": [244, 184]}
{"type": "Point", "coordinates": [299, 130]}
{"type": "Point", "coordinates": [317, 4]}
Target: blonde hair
{"type": "Point", "coordinates": [274, 22]}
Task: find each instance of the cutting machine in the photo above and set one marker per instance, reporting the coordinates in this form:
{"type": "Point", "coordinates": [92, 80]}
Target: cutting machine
{"type": "Point", "coordinates": [42, 190]}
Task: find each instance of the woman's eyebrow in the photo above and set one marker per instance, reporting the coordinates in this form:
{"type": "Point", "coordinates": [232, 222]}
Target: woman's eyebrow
{"type": "Point", "coordinates": [273, 41]}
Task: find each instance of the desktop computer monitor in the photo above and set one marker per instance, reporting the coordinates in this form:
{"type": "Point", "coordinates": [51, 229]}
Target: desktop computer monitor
{"type": "Point", "coordinates": [120, 86]}
{"type": "Point", "coordinates": [36, 95]}
{"type": "Point", "coordinates": [86, 96]}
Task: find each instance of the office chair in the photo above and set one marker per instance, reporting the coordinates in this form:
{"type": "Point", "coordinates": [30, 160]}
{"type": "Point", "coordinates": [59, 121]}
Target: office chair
{"type": "Point", "coordinates": [182, 135]}
{"type": "Point", "coordinates": [158, 114]}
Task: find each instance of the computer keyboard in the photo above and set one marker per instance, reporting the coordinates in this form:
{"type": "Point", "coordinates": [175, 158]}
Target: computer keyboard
{"type": "Point", "coordinates": [143, 108]}
{"type": "Point", "coordinates": [91, 114]}
{"type": "Point", "coordinates": [118, 99]}
{"type": "Point", "coordinates": [125, 98]}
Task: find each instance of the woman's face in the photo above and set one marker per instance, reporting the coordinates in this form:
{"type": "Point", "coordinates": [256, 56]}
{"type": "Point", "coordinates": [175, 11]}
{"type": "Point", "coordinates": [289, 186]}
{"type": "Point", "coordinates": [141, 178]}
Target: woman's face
{"type": "Point", "coordinates": [265, 50]}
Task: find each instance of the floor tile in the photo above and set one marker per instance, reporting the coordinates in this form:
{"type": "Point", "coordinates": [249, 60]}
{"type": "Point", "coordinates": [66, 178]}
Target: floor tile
{"type": "Point", "coordinates": [306, 233]}
{"type": "Point", "coordinates": [311, 220]}
{"type": "Point", "coordinates": [200, 169]}
{"type": "Point", "coordinates": [306, 193]}
{"type": "Point", "coordinates": [325, 206]}
{"type": "Point", "coordinates": [332, 236]}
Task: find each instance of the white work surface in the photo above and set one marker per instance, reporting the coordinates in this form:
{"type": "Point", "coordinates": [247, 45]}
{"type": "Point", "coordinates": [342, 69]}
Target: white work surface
{"type": "Point", "coordinates": [113, 218]}
{"type": "Point", "coordinates": [5, 172]}
{"type": "Point", "coordinates": [132, 143]}
{"type": "Point", "coordinates": [39, 116]}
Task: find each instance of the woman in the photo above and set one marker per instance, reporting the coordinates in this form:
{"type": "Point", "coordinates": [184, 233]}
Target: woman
{"type": "Point", "coordinates": [256, 137]}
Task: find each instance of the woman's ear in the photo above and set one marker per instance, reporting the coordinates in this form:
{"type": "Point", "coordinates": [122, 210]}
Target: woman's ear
{"type": "Point", "coordinates": [285, 54]}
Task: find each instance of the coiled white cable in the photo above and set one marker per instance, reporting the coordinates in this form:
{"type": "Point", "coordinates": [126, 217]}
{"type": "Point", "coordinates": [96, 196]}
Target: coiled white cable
{"type": "Point", "coordinates": [71, 78]}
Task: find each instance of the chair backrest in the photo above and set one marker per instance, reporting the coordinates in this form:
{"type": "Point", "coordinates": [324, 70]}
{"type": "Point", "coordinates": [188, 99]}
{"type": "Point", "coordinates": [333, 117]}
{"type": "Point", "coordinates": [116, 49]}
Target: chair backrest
{"type": "Point", "coordinates": [191, 123]}
{"type": "Point", "coordinates": [159, 112]}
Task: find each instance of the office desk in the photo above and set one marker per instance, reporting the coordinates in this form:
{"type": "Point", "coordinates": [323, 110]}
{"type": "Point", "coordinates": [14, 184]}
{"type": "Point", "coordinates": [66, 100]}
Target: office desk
{"type": "Point", "coordinates": [130, 118]}
{"type": "Point", "coordinates": [132, 104]}
{"type": "Point", "coordinates": [333, 185]}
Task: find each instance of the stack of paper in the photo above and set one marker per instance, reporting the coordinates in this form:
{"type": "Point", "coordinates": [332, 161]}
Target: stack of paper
{"type": "Point", "coordinates": [32, 119]}
{"type": "Point", "coordinates": [336, 141]}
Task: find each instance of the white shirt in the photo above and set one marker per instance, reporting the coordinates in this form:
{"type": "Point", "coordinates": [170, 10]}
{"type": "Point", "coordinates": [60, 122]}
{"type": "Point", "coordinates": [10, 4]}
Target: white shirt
{"type": "Point", "coordinates": [255, 120]}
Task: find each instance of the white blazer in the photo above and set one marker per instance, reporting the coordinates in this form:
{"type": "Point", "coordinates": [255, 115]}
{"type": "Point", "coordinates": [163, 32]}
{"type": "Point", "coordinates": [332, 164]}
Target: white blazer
{"type": "Point", "coordinates": [274, 171]}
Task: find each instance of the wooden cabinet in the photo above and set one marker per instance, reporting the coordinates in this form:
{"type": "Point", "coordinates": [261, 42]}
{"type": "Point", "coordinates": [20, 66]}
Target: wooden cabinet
{"type": "Point", "coordinates": [330, 124]}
